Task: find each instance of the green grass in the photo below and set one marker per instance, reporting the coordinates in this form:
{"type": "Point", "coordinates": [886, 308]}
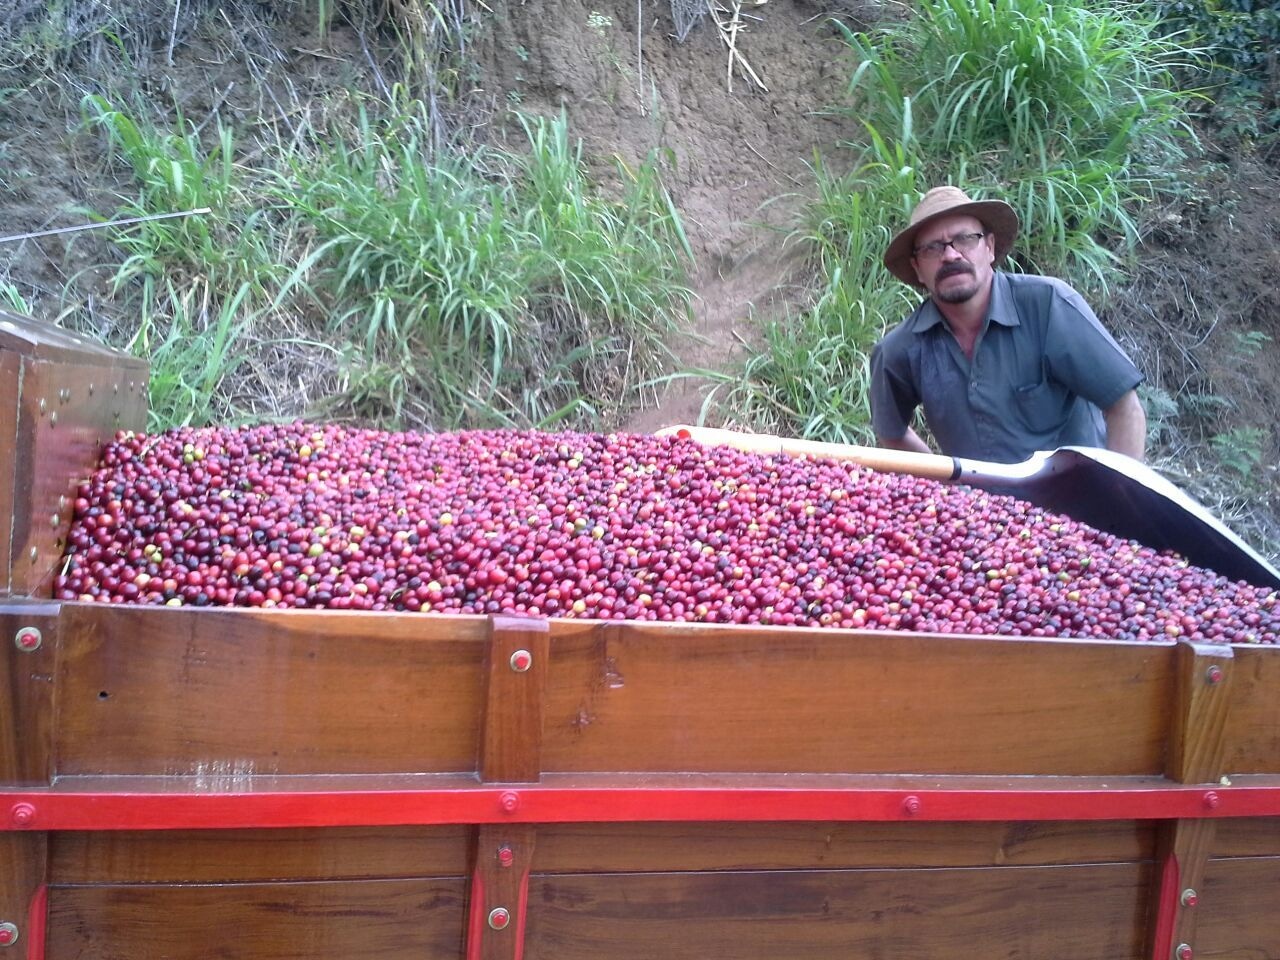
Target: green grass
{"type": "Point", "coordinates": [496, 288]}
{"type": "Point", "coordinates": [1069, 111]}
{"type": "Point", "coordinates": [811, 378]}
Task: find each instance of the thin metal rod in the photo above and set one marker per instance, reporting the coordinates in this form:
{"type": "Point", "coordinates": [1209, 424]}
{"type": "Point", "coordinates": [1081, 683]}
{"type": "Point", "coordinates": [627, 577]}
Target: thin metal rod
{"type": "Point", "coordinates": [108, 223]}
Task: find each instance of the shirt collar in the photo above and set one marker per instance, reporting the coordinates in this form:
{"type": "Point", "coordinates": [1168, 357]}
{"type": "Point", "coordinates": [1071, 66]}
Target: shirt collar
{"type": "Point", "coordinates": [1001, 310]}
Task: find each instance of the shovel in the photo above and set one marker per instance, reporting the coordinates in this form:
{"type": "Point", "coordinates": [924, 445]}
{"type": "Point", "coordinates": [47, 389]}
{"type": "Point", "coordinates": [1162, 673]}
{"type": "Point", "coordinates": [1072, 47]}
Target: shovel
{"type": "Point", "coordinates": [1106, 490]}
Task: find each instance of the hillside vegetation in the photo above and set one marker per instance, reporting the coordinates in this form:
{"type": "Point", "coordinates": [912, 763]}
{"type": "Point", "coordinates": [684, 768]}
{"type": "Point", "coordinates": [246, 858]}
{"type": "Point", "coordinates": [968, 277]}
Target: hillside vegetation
{"type": "Point", "coordinates": [447, 215]}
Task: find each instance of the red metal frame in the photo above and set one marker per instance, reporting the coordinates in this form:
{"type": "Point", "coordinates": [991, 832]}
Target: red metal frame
{"type": "Point", "coordinates": [139, 810]}
{"type": "Point", "coordinates": [37, 920]}
{"type": "Point", "coordinates": [476, 921]}
{"type": "Point", "coordinates": [1167, 909]}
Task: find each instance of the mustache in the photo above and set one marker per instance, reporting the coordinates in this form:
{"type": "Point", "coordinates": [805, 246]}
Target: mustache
{"type": "Point", "coordinates": [952, 270]}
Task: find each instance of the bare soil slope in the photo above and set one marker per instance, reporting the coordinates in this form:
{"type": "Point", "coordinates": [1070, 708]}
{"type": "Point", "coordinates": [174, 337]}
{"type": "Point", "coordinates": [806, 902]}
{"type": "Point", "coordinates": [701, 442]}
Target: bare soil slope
{"type": "Point", "coordinates": [738, 140]}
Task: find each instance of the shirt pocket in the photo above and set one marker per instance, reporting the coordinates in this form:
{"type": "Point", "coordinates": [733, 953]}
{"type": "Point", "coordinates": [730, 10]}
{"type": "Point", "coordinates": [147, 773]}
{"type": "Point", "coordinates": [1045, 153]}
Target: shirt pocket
{"type": "Point", "coordinates": [1042, 406]}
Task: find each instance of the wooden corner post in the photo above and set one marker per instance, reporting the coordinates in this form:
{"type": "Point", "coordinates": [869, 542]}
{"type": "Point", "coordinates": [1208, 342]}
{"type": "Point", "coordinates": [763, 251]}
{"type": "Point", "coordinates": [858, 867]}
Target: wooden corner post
{"type": "Point", "coordinates": [28, 657]}
{"type": "Point", "coordinates": [510, 753]}
{"type": "Point", "coordinates": [1197, 748]}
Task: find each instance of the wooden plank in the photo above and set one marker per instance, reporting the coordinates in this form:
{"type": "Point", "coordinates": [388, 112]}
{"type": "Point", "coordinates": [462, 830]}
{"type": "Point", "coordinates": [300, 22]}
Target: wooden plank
{"type": "Point", "coordinates": [668, 847]}
{"type": "Point", "coordinates": [1008, 912]}
{"type": "Point", "coordinates": [10, 381]}
{"type": "Point", "coordinates": [1247, 837]}
{"type": "Point", "coordinates": [29, 639]}
{"type": "Point", "coordinates": [1238, 910]}
{"type": "Point", "coordinates": [499, 892]}
{"type": "Point", "coordinates": [29, 337]}
{"type": "Point", "coordinates": [1202, 706]}
{"type": "Point", "coordinates": [516, 680]}
{"type": "Point", "coordinates": [647, 697]}
{"type": "Point", "coordinates": [374, 919]}
{"type": "Point", "coordinates": [1255, 712]}
{"type": "Point", "coordinates": [66, 413]}
{"type": "Point", "coordinates": [229, 856]}
{"type": "Point", "coordinates": [229, 694]}
{"type": "Point", "coordinates": [1183, 852]}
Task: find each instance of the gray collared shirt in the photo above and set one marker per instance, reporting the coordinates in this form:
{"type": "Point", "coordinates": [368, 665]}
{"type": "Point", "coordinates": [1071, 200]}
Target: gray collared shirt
{"type": "Point", "coordinates": [1043, 370]}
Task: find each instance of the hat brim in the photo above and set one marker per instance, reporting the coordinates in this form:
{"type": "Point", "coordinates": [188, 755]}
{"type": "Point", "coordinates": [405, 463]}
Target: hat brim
{"type": "Point", "coordinates": [996, 215]}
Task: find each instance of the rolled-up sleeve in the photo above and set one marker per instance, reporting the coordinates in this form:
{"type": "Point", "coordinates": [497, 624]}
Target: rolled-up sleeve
{"type": "Point", "coordinates": [894, 395]}
{"type": "Point", "coordinates": [1083, 356]}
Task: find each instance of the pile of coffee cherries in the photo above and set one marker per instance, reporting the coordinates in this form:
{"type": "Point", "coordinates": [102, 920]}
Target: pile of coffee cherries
{"type": "Point", "coordinates": [617, 526]}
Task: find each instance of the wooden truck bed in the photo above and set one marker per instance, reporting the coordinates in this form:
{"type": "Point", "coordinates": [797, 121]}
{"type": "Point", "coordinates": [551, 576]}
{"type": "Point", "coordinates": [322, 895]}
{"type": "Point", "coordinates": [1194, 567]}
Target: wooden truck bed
{"type": "Point", "coordinates": [190, 783]}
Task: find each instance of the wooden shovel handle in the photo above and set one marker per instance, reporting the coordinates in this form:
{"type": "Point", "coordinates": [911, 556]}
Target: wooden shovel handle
{"type": "Point", "coordinates": [928, 465]}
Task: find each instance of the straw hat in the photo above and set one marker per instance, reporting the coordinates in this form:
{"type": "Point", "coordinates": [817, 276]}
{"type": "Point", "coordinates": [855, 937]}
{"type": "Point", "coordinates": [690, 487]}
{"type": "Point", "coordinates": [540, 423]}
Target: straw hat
{"type": "Point", "coordinates": [996, 215]}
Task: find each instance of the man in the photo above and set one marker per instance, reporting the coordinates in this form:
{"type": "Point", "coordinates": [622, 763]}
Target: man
{"type": "Point", "coordinates": [1003, 364]}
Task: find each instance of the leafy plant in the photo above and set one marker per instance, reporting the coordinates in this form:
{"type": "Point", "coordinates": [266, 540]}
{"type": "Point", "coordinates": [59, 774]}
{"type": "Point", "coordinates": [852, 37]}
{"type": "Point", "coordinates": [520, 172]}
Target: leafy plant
{"type": "Point", "coordinates": [1240, 450]}
{"type": "Point", "coordinates": [811, 378]}
{"type": "Point", "coordinates": [464, 290]}
{"type": "Point", "coordinates": [1066, 110]}
{"type": "Point", "coordinates": [192, 352]}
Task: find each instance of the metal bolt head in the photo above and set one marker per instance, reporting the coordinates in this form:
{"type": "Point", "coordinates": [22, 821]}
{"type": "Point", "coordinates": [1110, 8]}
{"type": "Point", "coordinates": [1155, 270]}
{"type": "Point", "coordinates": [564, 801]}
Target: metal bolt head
{"type": "Point", "coordinates": [1184, 952]}
{"type": "Point", "coordinates": [1190, 898]}
{"type": "Point", "coordinates": [53, 419]}
{"type": "Point", "coordinates": [911, 806]}
{"type": "Point", "coordinates": [509, 801]}
{"type": "Point", "coordinates": [506, 856]}
{"type": "Point", "coordinates": [33, 553]}
{"type": "Point", "coordinates": [28, 639]}
{"type": "Point", "coordinates": [521, 661]}
{"type": "Point", "coordinates": [499, 917]}
{"type": "Point", "coordinates": [22, 814]}
{"type": "Point", "coordinates": [1211, 800]}
{"type": "Point", "coordinates": [8, 934]}
{"type": "Point", "coordinates": [1213, 675]}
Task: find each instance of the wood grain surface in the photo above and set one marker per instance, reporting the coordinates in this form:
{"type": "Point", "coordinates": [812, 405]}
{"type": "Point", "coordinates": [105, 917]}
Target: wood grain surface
{"type": "Point", "coordinates": [226, 695]}
{"type": "Point", "coordinates": [66, 413]}
{"type": "Point", "coordinates": [1238, 910]}
{"type": "Point", "coordinates": [1201, 709]}
{"type": "Point", "coordinates": [359, 920]}
{"type": "Point", "coordinates": [669, 847]}
{"type": "Point", "coordinates": [647, 697]}
{"type": "Point", "coordinates": [27, 693]}
{"type": "Point", "coordinates": [10, 365]}
{"type": "Point", "coordinates": [511, 743]}
{"type": "Point", "coordinates": [227, 856]}
{"type": "Point", "coordinates": [1248, 837]}
{"type": "Point", "coordinates": [1254, 744]}
{"type": "Point", "coordinates": [1088, 912]}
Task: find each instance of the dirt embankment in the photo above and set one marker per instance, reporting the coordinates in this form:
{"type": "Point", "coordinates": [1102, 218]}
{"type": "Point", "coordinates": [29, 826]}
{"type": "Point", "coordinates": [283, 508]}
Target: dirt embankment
{"type": "Point", "coordinates": [739, 140]}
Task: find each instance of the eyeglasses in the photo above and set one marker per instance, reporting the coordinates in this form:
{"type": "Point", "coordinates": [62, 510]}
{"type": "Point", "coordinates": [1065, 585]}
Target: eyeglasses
{"type": "Point", "coordinates": [961, 242]}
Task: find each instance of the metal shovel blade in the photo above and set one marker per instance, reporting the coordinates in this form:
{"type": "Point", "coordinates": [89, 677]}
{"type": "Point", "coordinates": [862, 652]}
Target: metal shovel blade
{"type": "Point", "coordinates": [1117, 494]}
{"type": "Point", "coordinates": [1106, 490]}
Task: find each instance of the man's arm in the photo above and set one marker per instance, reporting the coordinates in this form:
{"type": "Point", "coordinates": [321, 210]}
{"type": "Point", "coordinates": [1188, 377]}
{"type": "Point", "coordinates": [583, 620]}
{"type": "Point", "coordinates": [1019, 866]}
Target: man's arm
{"type": "Point", "coordinates": [911, 441]}
{"type": "Point", "coordinates": [1127, 426]}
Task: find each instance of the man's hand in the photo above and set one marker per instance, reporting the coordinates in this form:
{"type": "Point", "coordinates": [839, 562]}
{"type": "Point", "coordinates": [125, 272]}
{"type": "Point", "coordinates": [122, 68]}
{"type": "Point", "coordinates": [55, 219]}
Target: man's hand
{"type": "Point", "coordinates": [1127, 426]}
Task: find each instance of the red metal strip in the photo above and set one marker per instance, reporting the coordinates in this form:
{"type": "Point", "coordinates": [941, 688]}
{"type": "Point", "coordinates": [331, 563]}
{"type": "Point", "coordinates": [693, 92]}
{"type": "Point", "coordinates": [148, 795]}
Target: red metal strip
{"type": "Point", "coordinates": [1167, 909]}
{"type": "Point", "coordinates": [94, 810]}
{"type": "Point", "coordinates": [37, 922]}
{"type": "Point", "coordinates": [522, 911]}
{"type": "Point", "coordinates": [476, 922]}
